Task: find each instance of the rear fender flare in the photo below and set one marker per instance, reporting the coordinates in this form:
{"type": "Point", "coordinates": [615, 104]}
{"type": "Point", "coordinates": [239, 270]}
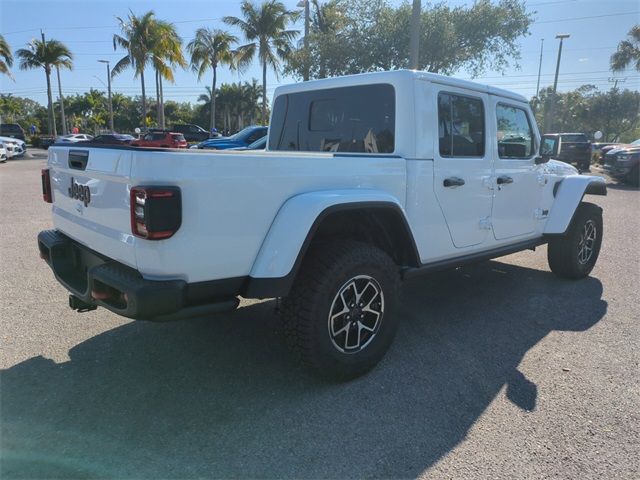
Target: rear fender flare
{"type": "Point", "coordinates": [294, 225]}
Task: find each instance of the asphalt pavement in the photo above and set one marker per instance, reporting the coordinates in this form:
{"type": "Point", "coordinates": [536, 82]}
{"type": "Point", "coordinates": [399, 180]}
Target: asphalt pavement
{"type": "Point", "coordinates": [499, 370]}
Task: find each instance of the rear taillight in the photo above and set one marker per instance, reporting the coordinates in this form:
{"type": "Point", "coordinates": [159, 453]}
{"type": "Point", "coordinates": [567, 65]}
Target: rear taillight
{"type": "Point", "coordinates": [46, 185]}
{"type": "Point", "coordinates": [156, 212]}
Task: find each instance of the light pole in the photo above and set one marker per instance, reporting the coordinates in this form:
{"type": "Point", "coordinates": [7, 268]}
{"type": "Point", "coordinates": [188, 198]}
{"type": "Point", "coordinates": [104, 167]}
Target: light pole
{"type": "Point", "coordinates": [109, 94]}
{"type": "Point", "coordinates": [305, 4]}
{"type": "Point", "coordinates": [63, 118]}
{"type": "Point", "coordinates": [414, 39]}
{"type": "Point", "coordinates": [560, 36]}
{"type": "Point", "coordinates": [539, 68]}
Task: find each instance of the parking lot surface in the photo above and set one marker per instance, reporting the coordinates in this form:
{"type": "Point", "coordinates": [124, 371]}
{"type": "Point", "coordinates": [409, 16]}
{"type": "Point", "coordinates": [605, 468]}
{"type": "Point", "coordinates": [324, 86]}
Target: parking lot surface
{"type": "Point", "coordinates": [499, 370]}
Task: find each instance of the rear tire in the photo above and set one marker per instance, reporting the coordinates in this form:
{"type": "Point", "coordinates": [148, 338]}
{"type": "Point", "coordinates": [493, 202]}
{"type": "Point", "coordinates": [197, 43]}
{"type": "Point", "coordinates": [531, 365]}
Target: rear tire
{"type": "Point", "coordinates": [575, 254]}
{"type": "Point", "coordinates": [339, 318]}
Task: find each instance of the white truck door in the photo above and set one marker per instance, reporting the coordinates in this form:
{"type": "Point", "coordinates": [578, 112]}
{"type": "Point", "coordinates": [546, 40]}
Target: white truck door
{"type": "Point", "coordinates": [462, 163]}
{"type": "Point", "coordinates": [518, 184]}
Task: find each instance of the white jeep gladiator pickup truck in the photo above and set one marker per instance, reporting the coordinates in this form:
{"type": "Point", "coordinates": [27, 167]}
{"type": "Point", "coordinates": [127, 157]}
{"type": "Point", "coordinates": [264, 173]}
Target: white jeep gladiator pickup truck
{"type": "Point", "coordinates": [367, 180]}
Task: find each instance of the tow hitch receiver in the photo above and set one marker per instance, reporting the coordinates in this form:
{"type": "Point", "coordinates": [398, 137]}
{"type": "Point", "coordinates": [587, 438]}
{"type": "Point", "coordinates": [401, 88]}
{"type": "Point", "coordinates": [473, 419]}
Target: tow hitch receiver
{"type": "Point", "coordinates": [76, 304]}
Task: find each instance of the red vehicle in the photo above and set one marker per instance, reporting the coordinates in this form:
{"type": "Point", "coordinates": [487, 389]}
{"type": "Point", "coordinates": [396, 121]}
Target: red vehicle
{"type": "Point", "coordinates": [162, 139]}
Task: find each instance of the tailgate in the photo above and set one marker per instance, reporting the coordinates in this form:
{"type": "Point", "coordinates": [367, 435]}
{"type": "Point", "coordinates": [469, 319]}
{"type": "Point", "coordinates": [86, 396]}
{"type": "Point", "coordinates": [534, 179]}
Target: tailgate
{"type": "Point", "coordinates": [576, 147]}
{"type": "Point", "coordinates": [90, 189]}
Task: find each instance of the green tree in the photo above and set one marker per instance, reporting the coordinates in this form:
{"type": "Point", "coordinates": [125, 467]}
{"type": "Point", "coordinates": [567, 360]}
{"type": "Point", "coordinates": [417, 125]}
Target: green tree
{"type": "Point", "coordinates": [166, 54]}
{"type": "Point", "coordinates": [355, 36]}
{"type": "Point", "coordinates": [628, 52]}
{"type": "Point", "coordinates": [6, 58]}
{"type": "Point", "coordinates": [588, 110]}
{"type": "Point", "coordinates": [88, 111]}
{"type": "Point", "coordinates": [209, 49]}
{"type": "Point", "coordinates": [137, 39]}
{"type": "Point", "coordinates": [46, 55]}
{"type": "Point", "coordinates": [22, 110]}
{"type": "Point", "coordinates": [265, 27]}
{"type": "Point", "coordinates": [240, 104]}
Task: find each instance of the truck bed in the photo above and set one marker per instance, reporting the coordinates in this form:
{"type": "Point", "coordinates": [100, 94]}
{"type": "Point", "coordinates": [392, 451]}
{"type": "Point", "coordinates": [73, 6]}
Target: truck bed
{"type": "Point", "coordinates": [229, 201]}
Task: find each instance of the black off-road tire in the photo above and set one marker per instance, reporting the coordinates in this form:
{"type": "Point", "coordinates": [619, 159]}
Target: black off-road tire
{"type": "Point", "coordinates": [327, 269]}
{"type": "Point", "coordinates": [566, 256]}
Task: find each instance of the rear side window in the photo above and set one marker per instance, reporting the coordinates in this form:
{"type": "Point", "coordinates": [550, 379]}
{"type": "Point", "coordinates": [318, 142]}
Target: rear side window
{"type": "Point", "coordinates": [357, 119]}
{"type": "Point", "coordinates": [515, 137]}
{"type": "Point", "coordinates": [178, 137]}
{"type": "Point", "coordinates": [574, 138]}
{"type": "Point", "coordinates": [461, 128]}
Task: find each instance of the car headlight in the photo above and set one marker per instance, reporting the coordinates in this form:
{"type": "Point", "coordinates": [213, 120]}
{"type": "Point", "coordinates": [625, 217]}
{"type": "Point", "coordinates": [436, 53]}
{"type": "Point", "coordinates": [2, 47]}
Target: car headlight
{"type": "Point", "coordinates": [623, 157]}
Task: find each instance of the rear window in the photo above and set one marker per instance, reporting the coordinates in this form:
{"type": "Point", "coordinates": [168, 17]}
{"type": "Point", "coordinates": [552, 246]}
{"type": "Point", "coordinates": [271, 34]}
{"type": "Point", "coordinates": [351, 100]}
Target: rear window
{"type": "Point", "coordinates": [178, 137]}
{"type": "Point", "coordinates": [574, 138]}
{"type": "Point", "coordinates": [358, 119]}
{"type": "Point", "coordinates": [10, 127]}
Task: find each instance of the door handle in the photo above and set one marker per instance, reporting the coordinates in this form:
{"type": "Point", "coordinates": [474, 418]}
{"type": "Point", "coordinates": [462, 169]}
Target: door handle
{"type": "Point", "coordinates": [503, 180]}
{"type": "Point", "coordinates": [453, 182]}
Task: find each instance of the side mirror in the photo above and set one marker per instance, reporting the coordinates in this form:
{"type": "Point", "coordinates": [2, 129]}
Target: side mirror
{"type": "Point", "coordinates": [548, 149]}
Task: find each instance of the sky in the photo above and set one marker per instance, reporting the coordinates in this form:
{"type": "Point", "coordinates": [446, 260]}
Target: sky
{"type": "Point", "coordinates": [87, 27]}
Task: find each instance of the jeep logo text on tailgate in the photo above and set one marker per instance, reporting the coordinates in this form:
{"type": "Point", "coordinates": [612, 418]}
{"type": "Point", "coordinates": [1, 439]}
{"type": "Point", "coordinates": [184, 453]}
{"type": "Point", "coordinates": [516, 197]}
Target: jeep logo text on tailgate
{"type": "Point", "coordinates": [80, 192]}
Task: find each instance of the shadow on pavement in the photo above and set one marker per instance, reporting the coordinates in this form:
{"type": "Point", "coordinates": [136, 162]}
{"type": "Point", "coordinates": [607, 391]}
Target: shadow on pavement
{"type": "Point", "coordinates": [617, 185]}
{"type": "Point", "coordinates": [222, 398]}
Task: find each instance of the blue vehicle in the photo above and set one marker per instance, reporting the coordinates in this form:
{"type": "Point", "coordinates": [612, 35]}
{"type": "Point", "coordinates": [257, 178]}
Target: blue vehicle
{"type": "Point", "coordinates": [259, 144]}
{"type": "Point", "coordinates": [243, 138]}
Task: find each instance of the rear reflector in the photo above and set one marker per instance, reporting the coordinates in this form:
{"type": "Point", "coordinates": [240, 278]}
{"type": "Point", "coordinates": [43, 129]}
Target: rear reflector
{"type": "Point", "coordinates": [46, 185]}
{"type": "Point", "coordinates": [156, 212]}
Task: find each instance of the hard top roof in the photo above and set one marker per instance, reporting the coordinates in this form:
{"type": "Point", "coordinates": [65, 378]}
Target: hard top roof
{"type": "Point", "coordinates": [397, 76]}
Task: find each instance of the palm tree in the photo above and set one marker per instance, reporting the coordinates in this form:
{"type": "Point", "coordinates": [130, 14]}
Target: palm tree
{"type": "Point", "coordinates": [628, 51]}
{"type": "Point", "coordinates": [7, 58]}
{"type": "Point", "coordinates": [265, 27]}
{"type": "Point", "coordinates": [166, 53]}
{"type": "Point", "coordinates": [252, 94]}
{"type": "Point", "coordinates": [138, 40]}
{"type": "Point", "coordinates": [46, 54]}
{"type": "Point", "coordinates": [209, 49]}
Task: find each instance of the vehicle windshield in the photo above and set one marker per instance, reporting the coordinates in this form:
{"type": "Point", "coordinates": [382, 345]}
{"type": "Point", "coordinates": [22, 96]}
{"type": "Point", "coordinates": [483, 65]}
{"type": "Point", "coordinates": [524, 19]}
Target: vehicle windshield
{"type": "Point", "coordinates": [574, 138]}
{"type": "Point", "coordinates": [258, 144]}
{"type": "Point", "coordinates": [242, 134]}
{"type": "Point", "coordinates": [636, 142]}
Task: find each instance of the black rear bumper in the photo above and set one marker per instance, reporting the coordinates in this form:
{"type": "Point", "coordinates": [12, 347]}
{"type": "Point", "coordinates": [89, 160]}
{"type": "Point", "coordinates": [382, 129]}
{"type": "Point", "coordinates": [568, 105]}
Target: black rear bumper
{"type": "Point", "coordinates": [100, 281]}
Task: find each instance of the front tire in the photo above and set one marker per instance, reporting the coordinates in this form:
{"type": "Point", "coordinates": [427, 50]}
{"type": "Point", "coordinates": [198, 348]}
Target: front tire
{"type": "Point", "coordinates": [575, 254]}
{"type": "Point", "coordinates": [340, 317]}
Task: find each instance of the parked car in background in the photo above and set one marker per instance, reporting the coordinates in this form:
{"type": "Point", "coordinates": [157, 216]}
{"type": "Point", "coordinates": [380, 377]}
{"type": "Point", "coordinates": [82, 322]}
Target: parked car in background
{"type": "Point", "coordinates": [624, 164]}
{"type": "Point", "coordinates": [111, 139]}
{"type": "Point", "coordinates": [3, 154]}
{"type": "Point", "coordinates": [605, 150]}
{"type": "Point", "coordinates": [14, 147]}
{"type": "Point", "coordinates": [12, 130]}
{"type": "Point", "coordinates": [597, 147]}
{"type": "Point", "coordinates": [191, 132]}
{"type": "Point", "coordinates": [243, 138]}
{"type": "Point", "coordinates": [573, 148]}
{"type": "Point", "coordinates": [161, 139]}
{"type": "Point", "coordinates": [74, 138]}
{"type": "Point", "coordinates": [46, 142]}
{"type": "Point", "coordinates": [259, 144]}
